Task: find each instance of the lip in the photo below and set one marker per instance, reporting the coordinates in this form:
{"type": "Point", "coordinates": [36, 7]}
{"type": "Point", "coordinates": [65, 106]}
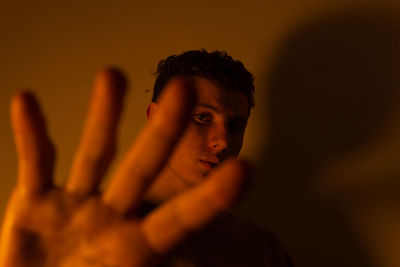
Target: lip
{"type": "Point", "coordinates": [209, 165]}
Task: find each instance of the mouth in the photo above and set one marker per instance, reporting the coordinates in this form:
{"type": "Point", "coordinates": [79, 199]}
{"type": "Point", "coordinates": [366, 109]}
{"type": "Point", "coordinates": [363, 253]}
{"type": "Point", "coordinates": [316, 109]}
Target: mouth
{"type": "Point", "coordinates": [208, 164]}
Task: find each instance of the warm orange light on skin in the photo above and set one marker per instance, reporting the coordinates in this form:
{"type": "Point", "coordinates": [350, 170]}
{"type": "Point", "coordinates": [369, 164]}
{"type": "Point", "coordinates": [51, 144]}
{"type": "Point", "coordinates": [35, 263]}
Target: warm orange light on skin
{"type": "Point", "coordinates": [75, 225]}
{"type": "Point", "coordinates": [214, 134]}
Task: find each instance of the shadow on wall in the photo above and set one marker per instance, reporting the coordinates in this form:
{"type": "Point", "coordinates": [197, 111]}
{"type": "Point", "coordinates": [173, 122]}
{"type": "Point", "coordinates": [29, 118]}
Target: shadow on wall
{"type": "Point", "coordinates": [332, 86]}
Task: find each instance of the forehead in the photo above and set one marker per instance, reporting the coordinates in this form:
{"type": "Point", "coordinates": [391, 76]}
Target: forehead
{"type": "Point", "coordinates": [227, 100]}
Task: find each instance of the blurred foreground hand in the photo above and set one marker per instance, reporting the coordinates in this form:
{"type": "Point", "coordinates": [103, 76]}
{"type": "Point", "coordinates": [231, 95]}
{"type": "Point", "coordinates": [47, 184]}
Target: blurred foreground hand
{"type": "Point", "coordinates": [75, 225]}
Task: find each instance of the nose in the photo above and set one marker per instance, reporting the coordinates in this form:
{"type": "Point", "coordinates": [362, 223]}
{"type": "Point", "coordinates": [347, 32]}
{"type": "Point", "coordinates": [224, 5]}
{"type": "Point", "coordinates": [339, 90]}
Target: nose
{"type": "Point", "coordinates": [218, 139]}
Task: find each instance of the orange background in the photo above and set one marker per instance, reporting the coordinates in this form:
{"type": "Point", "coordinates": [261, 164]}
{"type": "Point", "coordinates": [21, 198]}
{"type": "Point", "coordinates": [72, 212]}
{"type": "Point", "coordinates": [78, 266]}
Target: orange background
{"type": "Point", "coordinates": [323, 135]}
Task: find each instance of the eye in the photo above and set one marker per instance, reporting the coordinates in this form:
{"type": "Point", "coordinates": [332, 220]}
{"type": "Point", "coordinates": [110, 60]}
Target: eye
{"type": "Point", "coordinates": [202, 118]}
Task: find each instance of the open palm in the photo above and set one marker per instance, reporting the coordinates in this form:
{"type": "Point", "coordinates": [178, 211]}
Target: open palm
{"type": "Point", "coordinates": [76, 225]}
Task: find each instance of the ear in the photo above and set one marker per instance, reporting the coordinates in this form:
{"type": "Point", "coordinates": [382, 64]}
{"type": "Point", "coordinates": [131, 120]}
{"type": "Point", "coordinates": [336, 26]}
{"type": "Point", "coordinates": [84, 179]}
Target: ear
{"type": "Point", "coordinates": [151, 110]}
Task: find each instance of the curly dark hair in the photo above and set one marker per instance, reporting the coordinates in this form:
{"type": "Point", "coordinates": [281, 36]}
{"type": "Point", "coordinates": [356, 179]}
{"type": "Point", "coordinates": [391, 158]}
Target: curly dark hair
{"type": "Point", "coordinates": [217, 66]}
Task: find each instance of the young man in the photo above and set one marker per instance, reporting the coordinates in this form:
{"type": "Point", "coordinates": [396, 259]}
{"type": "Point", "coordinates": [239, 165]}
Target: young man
{"type": "Point", "coordinates": [180, 163]}
{"type": "Point", "coordinates": [225, 96]}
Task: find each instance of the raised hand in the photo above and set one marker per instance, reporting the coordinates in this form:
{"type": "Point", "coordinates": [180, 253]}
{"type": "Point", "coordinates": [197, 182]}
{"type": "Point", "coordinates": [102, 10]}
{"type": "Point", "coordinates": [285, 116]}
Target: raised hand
{"type": "Point", "coordinates": [76, 225]}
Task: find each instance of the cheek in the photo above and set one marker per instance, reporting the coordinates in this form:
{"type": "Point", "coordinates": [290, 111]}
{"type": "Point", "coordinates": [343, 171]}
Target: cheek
{"type": "Point", "coordinates": [237, 143]}
{"type": "Point", "coordinates": [193, 141]}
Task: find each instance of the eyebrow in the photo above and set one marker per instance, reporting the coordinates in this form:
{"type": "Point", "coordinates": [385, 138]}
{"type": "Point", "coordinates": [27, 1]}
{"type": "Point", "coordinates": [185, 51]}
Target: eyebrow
{"type": "Point", "coordinates": [210, 107]}
{"type": "Point", "coordinates": [239, 118]}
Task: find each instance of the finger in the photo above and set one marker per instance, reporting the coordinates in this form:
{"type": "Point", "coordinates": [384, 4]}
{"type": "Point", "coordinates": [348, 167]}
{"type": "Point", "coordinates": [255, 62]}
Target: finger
{"type": "Point", "coordinates": [34, 149]}
{"type": "Point", "coordinates": [191, 210]}
{"type": "Point", "coordinates": [152, 148]}
{"type": "Point", "coordinates": [98, 142]}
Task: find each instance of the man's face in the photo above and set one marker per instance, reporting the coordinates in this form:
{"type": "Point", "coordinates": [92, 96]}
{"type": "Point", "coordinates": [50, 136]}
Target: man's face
{"type": "Point", "coordinates": [214, 133]}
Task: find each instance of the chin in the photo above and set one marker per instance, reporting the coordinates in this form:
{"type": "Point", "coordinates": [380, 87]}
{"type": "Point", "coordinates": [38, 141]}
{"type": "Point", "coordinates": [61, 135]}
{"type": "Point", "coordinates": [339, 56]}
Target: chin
{"type": "Point", "coordinates": [205, 174]}
{"type": "Point", "coordinates": [198, 178]}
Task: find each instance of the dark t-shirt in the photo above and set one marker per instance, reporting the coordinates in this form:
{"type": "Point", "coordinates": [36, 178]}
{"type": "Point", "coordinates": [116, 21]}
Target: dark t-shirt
{"type": "Point", "coordinates": [229, 241]}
